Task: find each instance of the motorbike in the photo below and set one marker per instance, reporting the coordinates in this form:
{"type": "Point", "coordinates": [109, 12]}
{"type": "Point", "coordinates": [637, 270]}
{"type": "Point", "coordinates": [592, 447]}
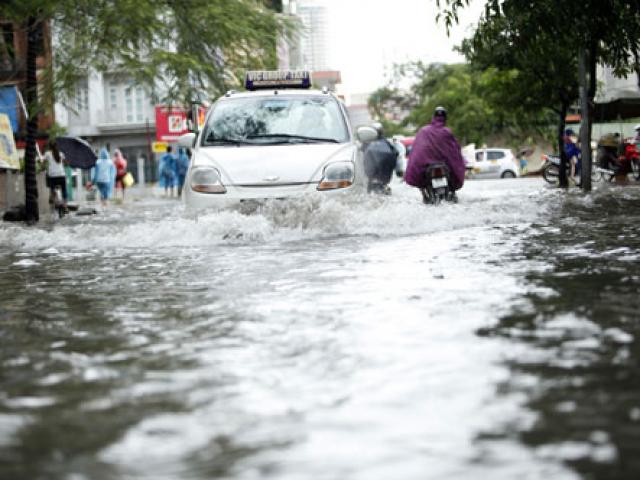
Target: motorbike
{"type": "Point", "coordinates": [611, 163]}
{"type": "Point", "coordinates": [438, 185]}
{"type": "Point", "coordinates": [378, 187]}
{"type": "Point", "coordinates": [551, 170]}
{"type": "Point", "coordinates": [633, 157]}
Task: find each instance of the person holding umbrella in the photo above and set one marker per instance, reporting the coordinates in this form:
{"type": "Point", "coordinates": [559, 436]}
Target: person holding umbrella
{"type": "Point", "coordinates": [56, 175]}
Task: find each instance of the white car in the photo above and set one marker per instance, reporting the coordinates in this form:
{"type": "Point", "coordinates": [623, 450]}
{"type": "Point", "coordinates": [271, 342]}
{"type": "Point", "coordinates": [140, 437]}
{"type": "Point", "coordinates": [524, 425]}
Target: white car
{"type": "Point", "coordinates": [273, 142]}
{"type": "Point", "coordinates": [493, 163]}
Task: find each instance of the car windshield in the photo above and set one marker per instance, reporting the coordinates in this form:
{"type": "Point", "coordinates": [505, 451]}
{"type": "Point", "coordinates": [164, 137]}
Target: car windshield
{"type": "Point", "coordinates": [275, 120]}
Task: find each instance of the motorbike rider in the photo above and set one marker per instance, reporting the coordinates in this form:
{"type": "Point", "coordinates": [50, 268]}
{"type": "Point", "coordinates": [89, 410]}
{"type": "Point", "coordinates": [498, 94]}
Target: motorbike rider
{"type": "Point", "coordinates": [401, 163]}
{"type": "Point", "coordinates": [380, 158]}
{"type": "Point", "coordinates": [435, 143]}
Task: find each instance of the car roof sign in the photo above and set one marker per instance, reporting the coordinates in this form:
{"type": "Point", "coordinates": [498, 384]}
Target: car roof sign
{"type": "Point", "coordinates": [257, 79]}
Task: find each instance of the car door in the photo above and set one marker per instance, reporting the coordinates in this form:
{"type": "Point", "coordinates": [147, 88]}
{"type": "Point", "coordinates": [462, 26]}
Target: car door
{"type": "Point", "coordinates": [480, 164]}
{"type": "Point", "coordinates": [493, 163]}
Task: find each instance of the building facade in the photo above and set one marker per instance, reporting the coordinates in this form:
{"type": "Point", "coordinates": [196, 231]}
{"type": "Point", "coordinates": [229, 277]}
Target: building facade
{"type": "Point", "coordinates": [111, 110]}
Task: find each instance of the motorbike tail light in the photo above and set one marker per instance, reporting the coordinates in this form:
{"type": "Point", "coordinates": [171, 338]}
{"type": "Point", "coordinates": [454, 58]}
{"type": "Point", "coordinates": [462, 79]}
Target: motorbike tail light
{"type": "Point", "coordinates": [438, 172]}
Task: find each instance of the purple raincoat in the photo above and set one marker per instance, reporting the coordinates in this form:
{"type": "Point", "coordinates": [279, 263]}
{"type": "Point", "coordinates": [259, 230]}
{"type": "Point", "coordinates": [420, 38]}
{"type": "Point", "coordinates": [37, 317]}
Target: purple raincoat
{"type": "Point", "coordinates": [435, 143]}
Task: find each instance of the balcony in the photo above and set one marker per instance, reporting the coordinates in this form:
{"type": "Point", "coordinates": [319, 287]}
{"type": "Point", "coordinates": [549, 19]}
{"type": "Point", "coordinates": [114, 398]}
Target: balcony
{"type": "Point", "coordinates": [118, 121]}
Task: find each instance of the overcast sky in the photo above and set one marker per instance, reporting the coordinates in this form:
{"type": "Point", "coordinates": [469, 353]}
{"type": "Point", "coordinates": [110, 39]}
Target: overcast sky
{"type": "Point", "coordinates": [368, 35]}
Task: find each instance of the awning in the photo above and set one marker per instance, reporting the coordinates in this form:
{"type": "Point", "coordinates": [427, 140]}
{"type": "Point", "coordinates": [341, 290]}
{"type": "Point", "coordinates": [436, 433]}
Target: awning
{"type": "Point", "coordinates": [620, 109]}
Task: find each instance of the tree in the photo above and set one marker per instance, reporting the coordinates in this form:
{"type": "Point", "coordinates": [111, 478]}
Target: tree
{"type": "Point", "coordinates": [512, 42]}
{"type": "Point", "coordinates": [604, 31]}
{"type": "Point", "coordinates": [482, 104]}
{"type": "Point", "coordinates": [175, 48]}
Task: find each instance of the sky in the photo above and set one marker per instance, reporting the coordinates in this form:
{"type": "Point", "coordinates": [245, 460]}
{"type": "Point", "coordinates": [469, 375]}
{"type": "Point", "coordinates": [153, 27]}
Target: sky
{"type": "Point", "coordinates": [367, 36]}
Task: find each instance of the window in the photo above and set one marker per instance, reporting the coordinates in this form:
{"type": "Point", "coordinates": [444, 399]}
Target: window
{"type": "Point", "coordinates": [125, 102]}
{"type": "Point", "coordinates": [128, 101]}
{"type": "Point", "coordinates": [81, 98]}
{"type": "Point", "coordinates": [113, 98]}
{"type": "Point", "coordinates": [495, 155]}
{"type": "Point", "coordinates": [139, 104]}
{"type": "Point", "coordinates": [479, 156]}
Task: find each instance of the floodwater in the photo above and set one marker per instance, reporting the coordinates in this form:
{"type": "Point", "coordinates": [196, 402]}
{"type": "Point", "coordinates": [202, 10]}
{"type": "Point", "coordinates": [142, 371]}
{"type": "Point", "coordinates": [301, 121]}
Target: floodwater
{"type": "Point", "coordinates": [373, 338]}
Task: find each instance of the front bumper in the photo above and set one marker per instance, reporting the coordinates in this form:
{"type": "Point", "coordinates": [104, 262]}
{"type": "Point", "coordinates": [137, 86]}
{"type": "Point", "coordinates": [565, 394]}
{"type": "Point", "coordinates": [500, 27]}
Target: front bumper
{"type": "Point", "coordinates": [235, 195]}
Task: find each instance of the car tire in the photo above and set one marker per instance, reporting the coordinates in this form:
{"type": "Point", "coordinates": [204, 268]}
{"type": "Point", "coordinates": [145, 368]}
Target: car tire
{"type": "Point", "coordinates": [508, 174]}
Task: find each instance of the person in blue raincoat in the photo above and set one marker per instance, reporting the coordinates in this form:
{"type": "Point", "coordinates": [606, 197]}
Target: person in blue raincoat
{"type": "Point", "coordinates": [104, 176]}
{"type": "Point", "coordinates": [182, 165]}
{"type": "Point", "coordinates": [573, 154]}
{"type": "Point", "coordinates": [167, 171]}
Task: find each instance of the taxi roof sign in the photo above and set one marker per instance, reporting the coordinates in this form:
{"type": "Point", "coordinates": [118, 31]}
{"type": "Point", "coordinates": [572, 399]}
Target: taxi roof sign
{"type": "Point", "coordinates": [277, 79]}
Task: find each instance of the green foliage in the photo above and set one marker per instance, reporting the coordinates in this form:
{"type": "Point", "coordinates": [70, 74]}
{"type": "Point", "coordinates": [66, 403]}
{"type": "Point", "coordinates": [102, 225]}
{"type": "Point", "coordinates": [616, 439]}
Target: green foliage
{"type": "Point", "coordinates": [174, 48]}
{"type": "Point", "coordinates": [482, 105]}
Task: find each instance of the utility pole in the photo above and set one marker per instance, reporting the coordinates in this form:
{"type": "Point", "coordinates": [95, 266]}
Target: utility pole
{"type": "Point", "coordinates": [585, 140]}
{"type": "Point", "coordinates": [30, 183]}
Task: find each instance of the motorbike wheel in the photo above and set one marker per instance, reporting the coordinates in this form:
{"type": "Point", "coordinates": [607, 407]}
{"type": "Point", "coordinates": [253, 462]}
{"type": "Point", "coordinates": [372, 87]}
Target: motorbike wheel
{"type": "Point", "coordinates": [635, 169]}
{"type": "Point", "coordinates": [551, 174]}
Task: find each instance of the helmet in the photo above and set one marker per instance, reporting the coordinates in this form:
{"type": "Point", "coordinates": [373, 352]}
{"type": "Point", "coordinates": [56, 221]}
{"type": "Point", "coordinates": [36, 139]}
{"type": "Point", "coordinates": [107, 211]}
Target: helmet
{"type": "Point", "coordinates": [378, 128]}
{"type": "Point", "coordinates": [569, 132]}
{"type": "Point", "coordinates": [440, 112]}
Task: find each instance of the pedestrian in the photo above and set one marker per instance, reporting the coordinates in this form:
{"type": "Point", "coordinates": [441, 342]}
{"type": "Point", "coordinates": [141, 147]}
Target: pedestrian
{"type": "Point", "coordinates": [182, 165]}
{"type": "Point", "coordinates": [524, 161]}
{"type": "Point", "coordinates": [121, 170]}
{"type": "Point", "coordinates": [104, 176]}
{"type": "Point", "coordinates": [573, 153]}
{"type": "Point", "coordinates": [56, 174]}
{"type": "Point", "coordinates": [167, 172]}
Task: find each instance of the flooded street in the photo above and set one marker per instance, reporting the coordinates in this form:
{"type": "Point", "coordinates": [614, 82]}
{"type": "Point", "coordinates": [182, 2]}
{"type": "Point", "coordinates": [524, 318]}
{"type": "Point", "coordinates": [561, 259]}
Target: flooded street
{"type": "Point", "coordinates": [369, 339]}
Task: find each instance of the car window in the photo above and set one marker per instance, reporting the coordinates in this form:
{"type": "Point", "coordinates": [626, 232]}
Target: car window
{"type": "Point", "coordinates": [263, 119]}
{"type": "Point", "coordinates": [479, 156]}
{"type": "Point", "coordinates": [495, 155]}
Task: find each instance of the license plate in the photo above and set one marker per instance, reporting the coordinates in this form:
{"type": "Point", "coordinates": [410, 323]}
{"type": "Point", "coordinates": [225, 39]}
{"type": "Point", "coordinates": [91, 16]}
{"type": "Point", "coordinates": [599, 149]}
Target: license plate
{"type": "Point", "coordinates": [439, 182]}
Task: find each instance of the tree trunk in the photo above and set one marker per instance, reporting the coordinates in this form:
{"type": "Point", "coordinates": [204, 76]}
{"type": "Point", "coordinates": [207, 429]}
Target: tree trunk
{"type": "Point", "coordinates": [564, 161]}
{"type": "Point", "coordinates": [585, 124]}
{"type": "Point", "coordinates": [30, 184]}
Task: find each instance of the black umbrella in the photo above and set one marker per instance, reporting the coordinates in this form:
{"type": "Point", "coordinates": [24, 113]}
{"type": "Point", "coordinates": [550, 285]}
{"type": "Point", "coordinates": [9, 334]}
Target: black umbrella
{"type": "Point", "coordinates": [77, 151]}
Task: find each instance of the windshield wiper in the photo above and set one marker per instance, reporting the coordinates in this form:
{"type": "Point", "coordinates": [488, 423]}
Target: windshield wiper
{"type": "Point", "coordinates": [228, 141]}
{"type": "Point", "coordinates": [288, 138]}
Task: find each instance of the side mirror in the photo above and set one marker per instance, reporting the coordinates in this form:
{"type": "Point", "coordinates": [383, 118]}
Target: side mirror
{"type": "Point", "coordinates": [187, 140]}
{"type": "Point", "coordinates": [366, 134]}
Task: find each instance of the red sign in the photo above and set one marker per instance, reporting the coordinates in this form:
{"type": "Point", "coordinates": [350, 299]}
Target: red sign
{"type": "Point", "coordinates": [171, 122]}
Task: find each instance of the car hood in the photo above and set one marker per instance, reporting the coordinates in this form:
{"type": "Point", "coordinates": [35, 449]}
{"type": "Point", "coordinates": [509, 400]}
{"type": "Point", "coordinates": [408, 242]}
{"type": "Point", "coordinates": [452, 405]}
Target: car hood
{"type": "Point", "coordinates": [272, 164]}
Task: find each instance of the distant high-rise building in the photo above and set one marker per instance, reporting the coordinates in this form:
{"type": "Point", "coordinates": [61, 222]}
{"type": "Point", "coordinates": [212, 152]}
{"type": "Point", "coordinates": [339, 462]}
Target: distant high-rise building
{"type": "Point", "coordinates": [313, 36]}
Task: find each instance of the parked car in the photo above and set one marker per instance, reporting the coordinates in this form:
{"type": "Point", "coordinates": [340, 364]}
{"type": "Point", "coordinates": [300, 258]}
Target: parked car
{"type": "Point", "coordinates": [493, 163]}
{"type": "Point", "coordinates": [279, 139]}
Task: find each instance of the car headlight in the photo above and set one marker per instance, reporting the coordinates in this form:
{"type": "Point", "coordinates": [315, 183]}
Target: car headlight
{"type": "Point", "coordinates": [206, 180]}
{"type": "Point", "coordinates": [337, 175]}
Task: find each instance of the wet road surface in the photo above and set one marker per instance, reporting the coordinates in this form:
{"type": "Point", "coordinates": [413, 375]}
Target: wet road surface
{"type": "Point", "coordinates": [373, 338]}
